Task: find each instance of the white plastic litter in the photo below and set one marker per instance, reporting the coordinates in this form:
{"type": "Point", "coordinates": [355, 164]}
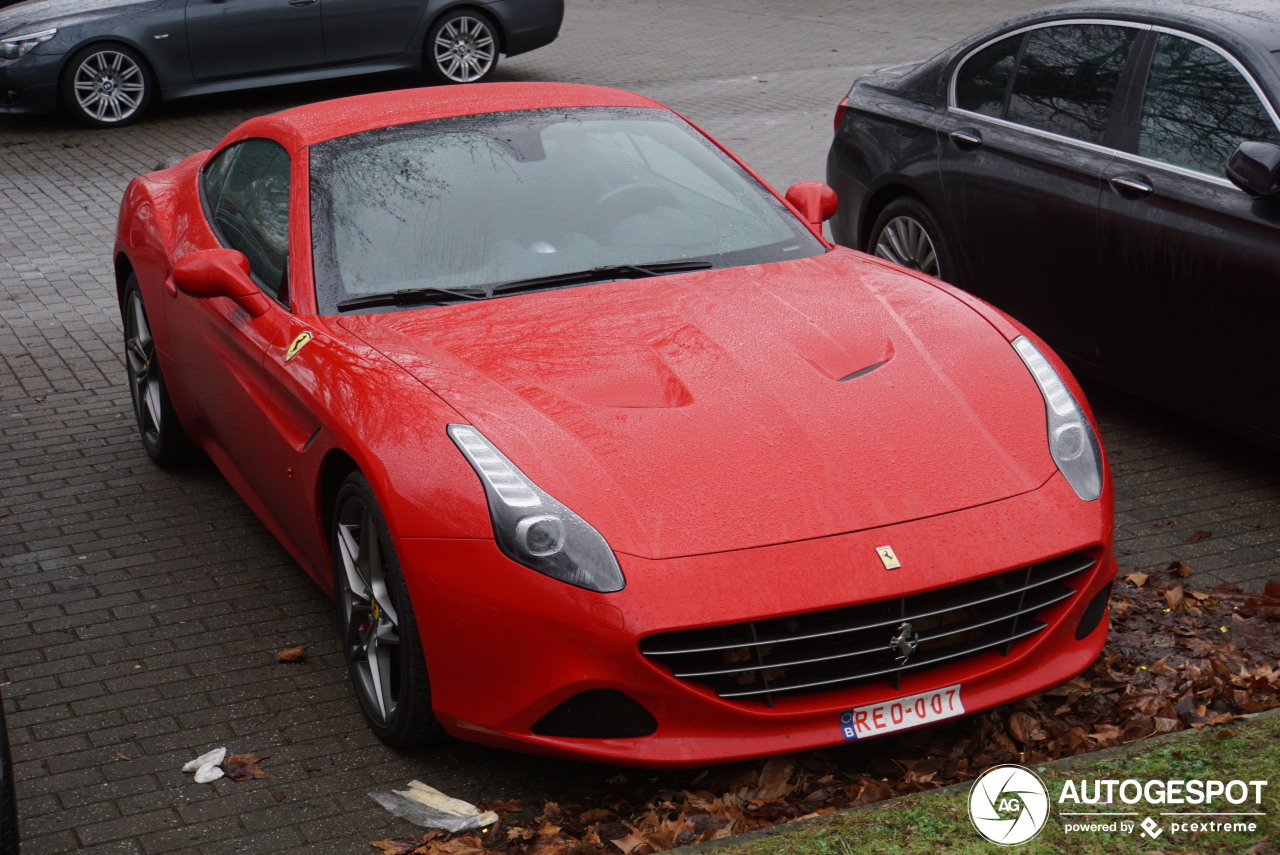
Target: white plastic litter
{"type": "Point", "coordinates": [207, 766]}
{"type": "Point", "coordinates": [427, 807]}
{"type": "Point", "coordinates": [206, 774]}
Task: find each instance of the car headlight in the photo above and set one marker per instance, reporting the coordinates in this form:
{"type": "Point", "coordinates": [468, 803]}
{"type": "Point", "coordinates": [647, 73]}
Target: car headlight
{"type": "Point", "coordinates": [1072, 442]}
{"type": "Point", "coordinates": [16, 46]}
{"type": "Point", "coordinates": [531, 527]}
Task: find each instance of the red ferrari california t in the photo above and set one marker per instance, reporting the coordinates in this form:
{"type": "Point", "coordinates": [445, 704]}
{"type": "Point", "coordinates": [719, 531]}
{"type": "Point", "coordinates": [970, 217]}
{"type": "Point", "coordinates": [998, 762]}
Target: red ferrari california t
{"type": "Point", "coordinates": [600, 447]}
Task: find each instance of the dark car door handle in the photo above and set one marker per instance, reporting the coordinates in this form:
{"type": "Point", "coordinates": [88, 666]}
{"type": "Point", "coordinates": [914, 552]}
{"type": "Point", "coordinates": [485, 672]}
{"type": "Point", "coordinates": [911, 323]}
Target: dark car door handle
{"type": "Point", "coordinates": [1132, 186]}
{"type": "Point", "coordinates": [301, 2]}
{"type": "Point", "coordinates": [966, 138]}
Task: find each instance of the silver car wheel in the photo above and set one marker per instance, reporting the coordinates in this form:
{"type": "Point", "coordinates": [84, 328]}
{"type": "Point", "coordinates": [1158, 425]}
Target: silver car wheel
{"type": "Point", "coordinates": [144, 374]}
{"type": "Point", "coordinates": [109, 86]}
{"type": "Point", "coordinates": [905, 241]}
{"type": "Point", "coordinates": [370, 623]}
{"type": "Point", "coordinates": [465, 49]}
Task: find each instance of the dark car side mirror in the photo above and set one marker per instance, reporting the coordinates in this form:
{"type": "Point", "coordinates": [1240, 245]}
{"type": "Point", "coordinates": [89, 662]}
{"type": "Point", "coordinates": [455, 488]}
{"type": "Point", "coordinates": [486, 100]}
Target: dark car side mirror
{"type": "Point", "coordinates": [220, 273]}
{"type": "Point", "coordinates": [1254, 167]}
{"type": "Point", "coordinates": [815, 201]}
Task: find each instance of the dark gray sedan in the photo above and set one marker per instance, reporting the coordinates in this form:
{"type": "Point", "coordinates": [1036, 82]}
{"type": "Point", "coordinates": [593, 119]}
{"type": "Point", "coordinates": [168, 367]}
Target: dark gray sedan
{"type": "Point", "coordinates": [106, 61]}
{"type": "Point", "coordinates": [1106, 172]}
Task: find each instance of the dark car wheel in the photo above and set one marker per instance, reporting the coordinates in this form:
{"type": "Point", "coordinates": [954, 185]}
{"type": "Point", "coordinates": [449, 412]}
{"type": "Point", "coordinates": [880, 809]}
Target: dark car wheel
{"type": "Point", "coordinates": [379, 634]}
{"type": "Point", "coordinates": [162, 436]}
{"type": "Point", "coordinates": [907, 233]}
{"type": "Point", "coordinates": [8, 799]}
{"type": "Point", "coordinates": [106, 86]}
{"type": "Point", "coordinates": [461, 48]}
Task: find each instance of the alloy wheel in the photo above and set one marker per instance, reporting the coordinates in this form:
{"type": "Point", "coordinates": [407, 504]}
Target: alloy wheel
{"type": "Point", "coordinates": [144, 374]}
{"type": "Point", "coordinates": [904, 241]}
{"type": "Point", "coordinates": [109, 86]}
{"type": "Point", "coordinates": [464, 49]}
{"type": "Point", "coordinates": [370, 620]}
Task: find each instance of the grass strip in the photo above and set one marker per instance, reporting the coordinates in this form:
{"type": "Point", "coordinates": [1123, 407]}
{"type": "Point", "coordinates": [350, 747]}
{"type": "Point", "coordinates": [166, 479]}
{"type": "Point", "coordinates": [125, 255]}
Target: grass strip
{"type": "Point", "coordinates": [937, 821]}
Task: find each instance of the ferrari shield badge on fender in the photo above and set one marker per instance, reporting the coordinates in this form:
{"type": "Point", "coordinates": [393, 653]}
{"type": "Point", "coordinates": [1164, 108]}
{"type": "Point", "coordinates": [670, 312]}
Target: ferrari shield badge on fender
{"type": "Point", "coordinates": [297, 345]}
{"type": "Point", "coordinates": [890, 560]}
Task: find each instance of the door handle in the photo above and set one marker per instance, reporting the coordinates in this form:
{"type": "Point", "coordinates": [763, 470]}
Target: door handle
{"type": "Point", "coordinates": [966, 138]}
{"type": "Point", "coordinates": [301, 2]}
{"type": "Point", "coordinates": [1131, 186]}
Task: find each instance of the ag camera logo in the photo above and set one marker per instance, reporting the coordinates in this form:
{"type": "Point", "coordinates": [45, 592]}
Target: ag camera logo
{"type": "Point", "coordinates": [1008, 804]}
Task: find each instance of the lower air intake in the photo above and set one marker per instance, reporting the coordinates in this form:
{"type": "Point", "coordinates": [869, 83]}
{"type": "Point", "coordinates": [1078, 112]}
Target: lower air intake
{"type": "Point", "coordinates": [597, 714]}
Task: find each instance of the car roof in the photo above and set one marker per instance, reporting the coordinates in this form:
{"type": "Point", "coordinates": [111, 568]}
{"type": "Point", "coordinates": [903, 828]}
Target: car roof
{"type": "Point", "coordinates": [1244, 27]}
{"type": "Point", "coordinates": [1253, 21]}
{"type": "Point", "coordinates": [309, 124]}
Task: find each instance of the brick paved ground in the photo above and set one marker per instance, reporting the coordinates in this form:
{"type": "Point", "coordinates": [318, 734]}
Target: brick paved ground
{"type": "Point", "coordinates": [141, 609]}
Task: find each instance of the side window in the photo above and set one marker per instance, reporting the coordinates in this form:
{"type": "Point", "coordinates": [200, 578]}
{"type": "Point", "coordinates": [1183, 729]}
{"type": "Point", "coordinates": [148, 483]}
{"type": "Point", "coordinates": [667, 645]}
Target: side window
{"type": "Point", "coordinates": [215, 175]}
{"type": "Point", "coordinates": [1068, 78]}
{"type": "Point", "coordinates": [247, 194]}
{"type": "Point", "coordinates": [984, 78]}
{"type": "Point", "coordinates": [1198, 108]}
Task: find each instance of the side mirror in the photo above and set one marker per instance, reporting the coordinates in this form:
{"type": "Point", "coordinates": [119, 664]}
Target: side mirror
{"type": "Point", "coordinates": [1254, 167]}
{"type": "Point", "coordinates": [220, 273]}
{"type": "Point", "coordinates": [815, 201]}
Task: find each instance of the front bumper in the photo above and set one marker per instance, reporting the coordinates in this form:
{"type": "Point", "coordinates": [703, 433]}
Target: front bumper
{"type": "Point", "coordinates": [29, 84]}
{"type": "Point", "coordinates": [505, 646]}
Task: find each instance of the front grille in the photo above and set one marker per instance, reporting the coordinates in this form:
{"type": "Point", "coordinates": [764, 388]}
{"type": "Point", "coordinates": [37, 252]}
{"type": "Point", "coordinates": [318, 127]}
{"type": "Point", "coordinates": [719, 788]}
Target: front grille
{"type": "Point", "coordinates": [862, 644]}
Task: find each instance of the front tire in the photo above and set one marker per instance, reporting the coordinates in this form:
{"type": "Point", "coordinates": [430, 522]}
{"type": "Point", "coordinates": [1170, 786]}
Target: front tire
{"type": "Point", "coordinates": [107, 86]}
{"type": "Point", "coordinates": [379, 632]}
{"type": "Point", "coordinates": [907, 233]}
{"type": "Point", "coordinates": [162, 436]}
{"type": "Point", "coordinates": [462, 47]}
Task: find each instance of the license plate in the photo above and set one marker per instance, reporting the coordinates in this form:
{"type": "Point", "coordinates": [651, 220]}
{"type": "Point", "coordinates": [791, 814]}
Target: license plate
{"type": "Point", "coordinates": [901, 713]}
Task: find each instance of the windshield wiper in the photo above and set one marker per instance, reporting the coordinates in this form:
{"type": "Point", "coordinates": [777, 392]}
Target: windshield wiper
{"type": "Point", "coordinates": [411, 297]}
{"type": "Point", "coordinates": [601, 274]}
{"type": "Point", "coordinates": [427, 296]}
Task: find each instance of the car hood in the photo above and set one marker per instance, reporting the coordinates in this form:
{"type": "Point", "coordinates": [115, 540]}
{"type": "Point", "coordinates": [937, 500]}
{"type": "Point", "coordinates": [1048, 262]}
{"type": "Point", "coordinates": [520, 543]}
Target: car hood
{"type": "Point", "coordinates": [40, 14]}
{"type": "Point", "coordinates": [728, 409]}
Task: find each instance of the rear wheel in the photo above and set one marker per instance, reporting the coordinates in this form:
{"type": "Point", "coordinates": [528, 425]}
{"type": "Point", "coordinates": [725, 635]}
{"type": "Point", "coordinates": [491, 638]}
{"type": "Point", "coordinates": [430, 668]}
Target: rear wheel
{"type": "Point", "coordinates": [165, 441]}
{"type": "Point", "coordinates": [107, 86]}
{"type": "Point", "coordinates": [908, 233]}
{"type": "Point", "coordinates": [462, 47]}
{"type": "Point", "coordinates": [379, 632]}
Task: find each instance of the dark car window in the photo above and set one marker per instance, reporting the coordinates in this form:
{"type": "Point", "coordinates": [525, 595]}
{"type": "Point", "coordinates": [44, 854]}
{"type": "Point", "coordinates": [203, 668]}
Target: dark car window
{"type": "Point", "coordinates": [247, 194]}
{"type": "Point", "coordinates": [982, 81]}
{"type": "Point", "coordinates": [1068, 77]}
{"type": "Point", "coordinates": [1198, 108]}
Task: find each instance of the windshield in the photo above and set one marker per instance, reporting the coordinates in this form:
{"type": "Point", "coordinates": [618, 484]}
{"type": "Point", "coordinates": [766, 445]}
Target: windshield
{"type": "Point", "coordinates": [473, 202]}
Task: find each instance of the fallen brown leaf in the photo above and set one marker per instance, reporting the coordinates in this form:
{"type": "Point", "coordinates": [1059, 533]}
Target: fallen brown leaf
{"type": "Point", "coordinates": [244, 767]}
{"type": "Point", "coordinates": [292, 654]}
{"type": "Point", "coordinates": [629, 843]}
{"type": "Point", "coordinates": [396, 845]}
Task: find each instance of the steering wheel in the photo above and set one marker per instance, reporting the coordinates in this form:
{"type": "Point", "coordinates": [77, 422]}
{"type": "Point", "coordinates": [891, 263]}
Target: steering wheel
{"type": "Point", "coordinates": [627, 199]}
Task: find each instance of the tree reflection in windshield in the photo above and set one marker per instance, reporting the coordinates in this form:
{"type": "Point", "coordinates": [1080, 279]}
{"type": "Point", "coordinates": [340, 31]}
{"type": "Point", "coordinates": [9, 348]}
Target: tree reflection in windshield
{"type": "Point", "coordinates": [481, 200]}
